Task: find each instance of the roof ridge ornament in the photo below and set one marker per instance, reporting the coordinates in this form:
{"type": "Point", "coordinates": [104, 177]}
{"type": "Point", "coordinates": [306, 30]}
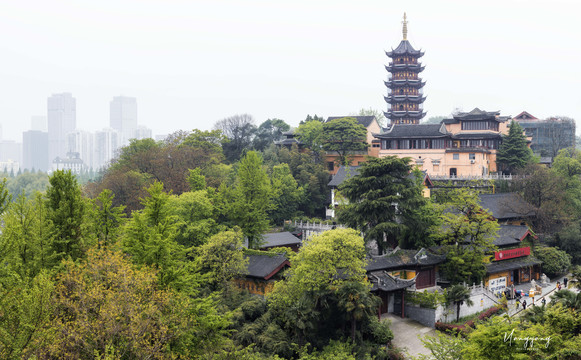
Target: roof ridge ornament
{"type": "Point", "coordinates": [405, 27]}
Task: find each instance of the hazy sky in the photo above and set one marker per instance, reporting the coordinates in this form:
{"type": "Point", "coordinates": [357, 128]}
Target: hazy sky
{"type": "Point", "coordinates": [191, 63]}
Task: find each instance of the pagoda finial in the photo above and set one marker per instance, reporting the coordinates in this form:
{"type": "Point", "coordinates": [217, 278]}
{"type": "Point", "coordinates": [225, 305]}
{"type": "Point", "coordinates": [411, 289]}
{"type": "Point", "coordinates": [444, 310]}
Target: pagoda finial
{"type": "Point", "coordinates": [405, 27]}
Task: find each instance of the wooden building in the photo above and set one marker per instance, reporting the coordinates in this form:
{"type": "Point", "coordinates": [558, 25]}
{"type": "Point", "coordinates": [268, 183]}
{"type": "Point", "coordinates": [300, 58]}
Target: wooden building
{"type": "Point", "coordinates": [263, 271]}
{"type": "Point", "coordinates": [392, 273]}
{"type": "Point", "coordinates": [462, 146]}
{"type": "Point", "coordinates": [512, 263]}
{"type": "Point", "coordinates": [404, 86]}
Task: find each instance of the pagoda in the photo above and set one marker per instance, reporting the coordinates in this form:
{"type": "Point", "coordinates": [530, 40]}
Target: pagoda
{"type": "Point", "coordinates": [405, 88]}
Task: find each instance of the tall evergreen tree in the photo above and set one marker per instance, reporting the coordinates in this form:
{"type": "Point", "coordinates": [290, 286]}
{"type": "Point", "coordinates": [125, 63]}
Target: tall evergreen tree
{"type": "Point", "coordinates": [66, 212]}
{"type": "Point", "coordinates": [378, 196]}
{"type": "Point", "coordinates": [251, 199]}
{"type": "Point", "coordinates": [514, 154]}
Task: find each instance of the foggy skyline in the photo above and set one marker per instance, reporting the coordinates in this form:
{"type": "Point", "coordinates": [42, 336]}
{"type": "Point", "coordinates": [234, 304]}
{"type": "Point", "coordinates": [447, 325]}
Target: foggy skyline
{"type": "Point", "coordinates": [192, 63]}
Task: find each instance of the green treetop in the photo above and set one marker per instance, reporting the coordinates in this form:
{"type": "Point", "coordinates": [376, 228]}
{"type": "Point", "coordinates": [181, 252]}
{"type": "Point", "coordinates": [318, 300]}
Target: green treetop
{"type": "Point", "coordinates": [251, 198]}
{"type": "Point", "coordinates": [467, 233]}
{"type": "Point", "coordinates": [514, 154]}
{"type": "Point", "coordinates": [382, 193]}
{"type": "Point", "coordinates": [343, 136]}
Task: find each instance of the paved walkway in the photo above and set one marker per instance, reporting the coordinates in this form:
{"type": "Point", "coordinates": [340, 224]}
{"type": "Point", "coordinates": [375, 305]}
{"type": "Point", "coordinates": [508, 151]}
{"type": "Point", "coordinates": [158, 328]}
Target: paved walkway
{"type": "Point", "coordinates": [547, 294]}
{"type": "Point", "coordinates": [405, 334]}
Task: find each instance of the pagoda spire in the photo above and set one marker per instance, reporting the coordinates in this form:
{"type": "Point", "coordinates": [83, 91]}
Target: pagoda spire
{"type": "Point", "coordinates": [405, 27]}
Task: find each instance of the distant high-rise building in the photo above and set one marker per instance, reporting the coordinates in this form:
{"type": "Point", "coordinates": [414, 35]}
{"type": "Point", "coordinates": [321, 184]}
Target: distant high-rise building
{"type": "Point", "coordinates": [10, 150]}
{"type": "Point", "coordinates": [549, 135]}
{"type": "Point", "coordinates": [123, 117]}
{"type": "Point", "coordinates": [106, 145]}
{"type": "Point", "coordinates": [35, 150]}
{"type": "Point", "coordinates": [142, 132]}
{"type": "Point", "coordinates": [38, 123]}
{"type": "Point", "coordinates": [62, 119]}
{"type": "Point", "coordinates": [82, 143]}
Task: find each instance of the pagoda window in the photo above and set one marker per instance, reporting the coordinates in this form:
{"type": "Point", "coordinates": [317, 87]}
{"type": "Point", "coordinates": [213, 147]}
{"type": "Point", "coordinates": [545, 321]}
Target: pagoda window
{"type": "Point", "coordinates": [401, 91]}
{"type": "Point", "coordinates": [401, 107]}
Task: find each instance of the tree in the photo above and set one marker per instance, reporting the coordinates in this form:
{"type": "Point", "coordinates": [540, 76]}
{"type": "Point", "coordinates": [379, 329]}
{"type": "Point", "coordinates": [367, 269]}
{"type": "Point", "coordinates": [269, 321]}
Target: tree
{"type": "Point", "coordinates": [434, 120]}
{"type": "Point", "coordinates": [378, 114]}
{"type": "Point", "coordinates": [26, 307]}
{"type": "Point", "coordinates": [150, 239]}
{"type": "Point", "coordinates": [268, 132]}
{"type": "Point", "coordinates": [458, 295]}
{"type": "Point", "coordinates": [309, 133]}
{"type": "Point", "coordinates": [343, 136]}
{"type": "Point", "coordinates": [382, 193]}
{"type": "Point", "coordinates": [327, 277]}
{"type": "Point", "coordinates": [287, 195]}
{"type": "Point", "coordinates": [107, 218]}
{"type": "Point", "coordinates": [251, 199]}
{"type": "Point", "coordinates": [514, 154]}
{"type": "Point", "coordinates": [443, 346]}
{"type": "Point", "coordinates": [5, 197]}
{"type": "Point", "coordinates": [555, 261]}
{"type": "Point", "coordinates": [239, 131]}
{"type": "Point", "coordinates": [568, 166]}
{"type": "Point", "coordinates": [221, 259]}
{"type": "Point", "coordinates": [311, 175]}
{"type": "Point", "coordinates": [66, 212]}
{"type": "Point", "coordinates": [546, 192]}
{"type": "Point", "coordinates": [569, 299]}
{"type": "Point", "coordinates": [467, 233]}
{"type": "Point", "coordinates": [197, 217]}
{"type": "Point", "coordinates": [196, 180]}
{"type": "Point", "coordinates": [104, 305]}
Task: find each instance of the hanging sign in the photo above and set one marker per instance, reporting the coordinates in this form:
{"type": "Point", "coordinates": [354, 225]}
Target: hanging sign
{"type": "Point", "coordinates": [512, 253]}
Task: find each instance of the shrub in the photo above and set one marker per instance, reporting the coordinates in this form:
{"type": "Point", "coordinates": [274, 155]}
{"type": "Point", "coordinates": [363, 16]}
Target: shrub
{"type": "Point", "coordinates": [455, 329]}
{"type": "Point", "coordinates": [555, 261]}
{"type": "Point", "coordinates": [425, 299]}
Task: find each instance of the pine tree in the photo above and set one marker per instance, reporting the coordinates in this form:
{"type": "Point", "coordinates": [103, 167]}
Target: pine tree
{"type": "Point", "coordinates": [514, 154]}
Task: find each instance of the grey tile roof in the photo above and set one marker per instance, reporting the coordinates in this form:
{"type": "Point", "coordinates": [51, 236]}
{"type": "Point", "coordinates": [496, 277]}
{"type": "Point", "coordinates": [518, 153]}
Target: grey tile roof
{"type": "Point", "coordinates": [504, 265]}
{"type": "Point", "coordinates": [510, 235]}
{"type": "Point", "coordinates": [476, 114]}
{"type": "Point", "coordinates": [546, 160]}
{"type": "Point", "coordinates": [414, 131]}
{"type": "Point", "coordinates": [477, 135]}
{"type": "Point", "coordinates": [402, 258]}
{"type": "Point", "coordinates": [363, 120]}
{"type": "Point", "coordinates": [506, 206]}
{"type": "Point", "coordinates": [344, 173]}
{"type": "Point", "coordinates": [263, 266]}
{"type": "Point", "coordinates": [404, 47]}
{"type": "Point", "coordinates": [279, 239]}
{"type": "Point", "coordinates": [382, 281]}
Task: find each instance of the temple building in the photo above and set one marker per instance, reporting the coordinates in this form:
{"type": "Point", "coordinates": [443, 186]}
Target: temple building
{"type": "Point", "coordinates": [404, 86]}
{"type": "Point", "coordinates": [462, 146]}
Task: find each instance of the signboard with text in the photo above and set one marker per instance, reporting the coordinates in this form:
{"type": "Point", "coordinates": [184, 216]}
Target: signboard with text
{"type": "Point", "coordinates": [512, 253]}
{"type": "Point", "coordinates": [497, 285]}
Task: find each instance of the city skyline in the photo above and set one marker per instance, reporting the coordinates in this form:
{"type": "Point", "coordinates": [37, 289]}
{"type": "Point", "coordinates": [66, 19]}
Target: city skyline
{"type": "Point", "coordinates": [191, 64]}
